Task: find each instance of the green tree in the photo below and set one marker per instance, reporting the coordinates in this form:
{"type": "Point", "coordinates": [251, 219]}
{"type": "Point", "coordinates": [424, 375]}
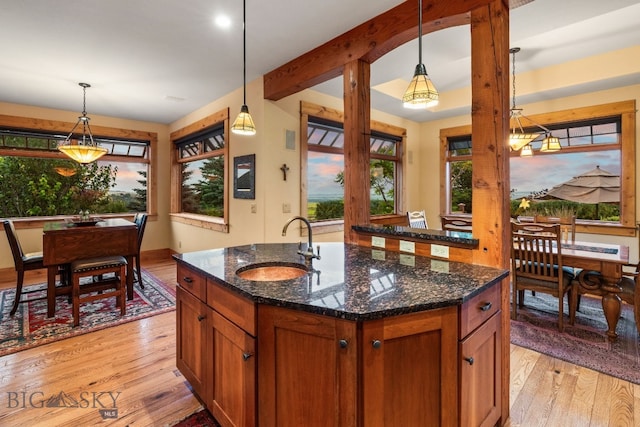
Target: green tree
{"type": "Point", "coordinates": [139, 202]}
{"type": "Point", "coordinates": [461, 185]}
{"type": "Point", "coordinates": [33, 187]}
{"type": "Point", "coordinates": [381, 182]}
{"type": "Point", "coordinates": [211, 187]}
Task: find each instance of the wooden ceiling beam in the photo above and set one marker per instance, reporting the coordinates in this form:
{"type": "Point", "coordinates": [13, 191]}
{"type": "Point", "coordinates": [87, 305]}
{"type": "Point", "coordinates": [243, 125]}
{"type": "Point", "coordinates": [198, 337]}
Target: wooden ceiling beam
{"type": "Point", "coordinates": [368, 42]}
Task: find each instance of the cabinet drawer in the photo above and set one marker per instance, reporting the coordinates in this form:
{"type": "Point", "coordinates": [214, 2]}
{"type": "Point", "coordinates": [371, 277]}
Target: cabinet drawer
{"type": "Point", "coordinates": [238, 309]}
{"type": "Point", "coordinates": [478, 309]}
{"type": "Point", "coordinates": [191, 281]}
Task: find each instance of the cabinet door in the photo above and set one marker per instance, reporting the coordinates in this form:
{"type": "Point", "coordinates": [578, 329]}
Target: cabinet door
{"type": "Point", "coordinates": [409, 365]}
{"type": "Point", "coordinates": [191, 315]}
{"type": "Point", "coordinates": [480, 370]}
{"type": "Point", "coordinates": [307, 366]}
{"type": "Point", "coordinates": [232, 363]}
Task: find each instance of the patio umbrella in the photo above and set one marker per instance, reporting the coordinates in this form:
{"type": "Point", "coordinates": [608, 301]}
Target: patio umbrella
{"type": "Point", "coordinates": [593, 187]}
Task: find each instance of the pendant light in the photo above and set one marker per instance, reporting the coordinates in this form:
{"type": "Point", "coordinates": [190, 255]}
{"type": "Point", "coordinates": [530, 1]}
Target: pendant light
{"type": "Point", "coordinates": [421, 92]}
{"type": "Point", "coordinates": [518, 138]}
{"type": "Point", "coordinates": [84, 150]}
{"type": "Point", "coordinates": [243, 124]}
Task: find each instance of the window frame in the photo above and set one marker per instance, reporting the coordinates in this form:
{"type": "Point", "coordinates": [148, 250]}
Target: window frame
{"type": "Point", "coordinates": [308, 109]}
{"type": "Point", "coordinates": [33, 124]}
{"type": "Point", "coordinates": [203, 221]}
{"type": "Point", "coordinates": [624, 110]}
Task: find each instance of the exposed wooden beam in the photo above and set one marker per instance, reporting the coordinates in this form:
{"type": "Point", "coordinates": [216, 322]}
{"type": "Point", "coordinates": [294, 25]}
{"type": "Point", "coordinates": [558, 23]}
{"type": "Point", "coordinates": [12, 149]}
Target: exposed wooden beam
{"type": "Point", "coordinates": [367, 42]}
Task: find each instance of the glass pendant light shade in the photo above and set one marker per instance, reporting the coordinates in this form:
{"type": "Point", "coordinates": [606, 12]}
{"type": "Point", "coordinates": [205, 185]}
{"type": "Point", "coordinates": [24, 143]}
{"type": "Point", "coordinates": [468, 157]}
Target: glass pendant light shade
{"type": "Point", "coordinates": [421, 92]}
{"type": "Point", "coordinates": [551, 143]}
{"type": "Point", "coordinates": [518, 140]}
{"type": "Point", "coordinates": [243, 124]}
{"type": "Point", "coordinates": [527, 151]}
{"type": "Point", "coordinates": [83, 153]}
{"type": "Point", "coordinates": [84, 150]}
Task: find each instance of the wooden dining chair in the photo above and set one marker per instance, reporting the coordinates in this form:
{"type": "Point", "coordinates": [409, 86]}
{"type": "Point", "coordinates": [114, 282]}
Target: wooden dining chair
{"type": "Point", "coordinates": [106, 287]}
{"type": "Point", "coordinates": [417, 219]}
{"type": "Point", "coordinates": [567, 225]}
{"type": "Point", "coordinates": [22, 261]}
{"type": "Point", "coordinates": [140, 220]}
{"type": "Point", "coordinates": [536, 262]}
{"type": "Point", "coordinates": [456, 223]}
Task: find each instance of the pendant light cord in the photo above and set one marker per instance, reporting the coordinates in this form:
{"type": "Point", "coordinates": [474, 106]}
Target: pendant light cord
{"type": "Point", "coordinates": [513, 76]}
{"type": "Point", "coordinates": [419, 31]}
{"type": "Point", "coordinates": [244, 52]}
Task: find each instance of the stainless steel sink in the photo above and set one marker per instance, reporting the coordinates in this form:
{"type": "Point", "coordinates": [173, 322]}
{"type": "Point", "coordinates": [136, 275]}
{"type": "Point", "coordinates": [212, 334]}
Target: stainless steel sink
{"type": "Point", "coordinates": [271, 272]}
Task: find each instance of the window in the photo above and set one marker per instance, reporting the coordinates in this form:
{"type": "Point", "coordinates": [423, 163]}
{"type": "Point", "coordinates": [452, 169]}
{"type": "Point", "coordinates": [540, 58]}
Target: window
{"type": "Point", "coordinates": [596, 138]}
{"type": "Point", "coordinates": [200, 172]}
{"type": "Point", "coordinates": [325, 165]}
{"type": "Point", "coordinates": [48, 183]}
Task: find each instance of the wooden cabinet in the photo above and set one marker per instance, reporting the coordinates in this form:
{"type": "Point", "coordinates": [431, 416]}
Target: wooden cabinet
{"type": "Point", "coordinates": [439, 367]}
{"type": "Point", "coordinates": [480, 360]}
{"type": "Point", "coordinates": [409, 365]}
{"type": "Point", "coordinates": [216, 355]}
{"type": "Point", "coordinates": [191, 330]}
{"type": "Point", "coordinates": [231, 376]}
{"type": "Point", "coordinates": [307, 366]}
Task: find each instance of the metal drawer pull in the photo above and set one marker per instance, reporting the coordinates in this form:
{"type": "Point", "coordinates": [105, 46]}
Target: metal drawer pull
{"type": "Point", "coordinates": [246, 356]}
{"type": "Point", "coordinates": [201, 317]}
{"type": "Point", "coordinates": [376, 343]}
{"type": "Point", "coordinates": [485, 307]}
{"type": "Point", "coordinates": [187, 279]}
{"type": "Point", "coordinates": [343, 343]}
{"type": "Point", "coordinates": [469, 360]}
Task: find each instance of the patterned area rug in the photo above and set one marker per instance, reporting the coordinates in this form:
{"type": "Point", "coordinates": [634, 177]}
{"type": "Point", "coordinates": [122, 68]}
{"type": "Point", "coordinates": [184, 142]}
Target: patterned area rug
{"type": "Point", "coordinates": [584, 343]}
{"type": "Point", "coordinates": [202, 418]}
{"type": "Point", "coordinates": [30, 327]}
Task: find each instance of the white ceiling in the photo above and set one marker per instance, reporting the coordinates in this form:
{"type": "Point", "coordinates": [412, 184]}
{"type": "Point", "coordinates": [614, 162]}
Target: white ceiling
{"type": "Point", "coordinates": [158, 60]}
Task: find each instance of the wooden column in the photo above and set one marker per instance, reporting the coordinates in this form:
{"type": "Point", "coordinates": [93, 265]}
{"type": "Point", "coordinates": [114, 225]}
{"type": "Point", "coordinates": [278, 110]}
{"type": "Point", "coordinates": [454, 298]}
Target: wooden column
{"type": "Point", "coordinates": [357, 108]}
{"type": "Point", "coordinates": [490, 130]}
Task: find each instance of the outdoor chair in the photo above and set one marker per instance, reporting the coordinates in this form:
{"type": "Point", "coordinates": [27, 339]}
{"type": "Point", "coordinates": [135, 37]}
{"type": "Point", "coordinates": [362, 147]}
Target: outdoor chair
{"type": "Point", "coordinates": [417, 219]}
{"type": "Point", "coordinates": [536, 262]}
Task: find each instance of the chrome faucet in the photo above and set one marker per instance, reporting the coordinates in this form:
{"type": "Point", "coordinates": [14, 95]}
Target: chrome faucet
{"type": "Point", "coordinates": [308, 254]}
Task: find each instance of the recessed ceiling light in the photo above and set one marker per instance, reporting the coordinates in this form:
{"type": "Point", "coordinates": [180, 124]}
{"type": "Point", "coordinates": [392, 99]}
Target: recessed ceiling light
{"type": "Point", "coordinates": [223, 21]}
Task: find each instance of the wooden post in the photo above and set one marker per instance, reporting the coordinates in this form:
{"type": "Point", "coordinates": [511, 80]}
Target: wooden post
{"type": "Point", "coordinates": [489, 133]}
{"type": "Point", "coordinates": [357, 130]}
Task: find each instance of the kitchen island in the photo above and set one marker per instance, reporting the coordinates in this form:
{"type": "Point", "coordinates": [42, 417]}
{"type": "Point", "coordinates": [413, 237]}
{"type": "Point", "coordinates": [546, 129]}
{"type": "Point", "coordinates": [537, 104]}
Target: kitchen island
{"type": "Point", "coordinates": [363, 336]}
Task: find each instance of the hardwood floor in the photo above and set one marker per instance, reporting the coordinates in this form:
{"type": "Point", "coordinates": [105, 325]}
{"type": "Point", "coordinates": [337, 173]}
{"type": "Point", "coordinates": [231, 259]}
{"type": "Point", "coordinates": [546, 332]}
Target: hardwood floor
{"type": "Point", "coordinates": [135, 362]}
{"type": "Point", "coordinates": [132, 364]}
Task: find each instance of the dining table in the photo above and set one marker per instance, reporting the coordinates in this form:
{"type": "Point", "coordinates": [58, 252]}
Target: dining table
{"type": "Point", "coordinates": [607, 259]}
{"type": "Point", "coordinates": [82, 238]}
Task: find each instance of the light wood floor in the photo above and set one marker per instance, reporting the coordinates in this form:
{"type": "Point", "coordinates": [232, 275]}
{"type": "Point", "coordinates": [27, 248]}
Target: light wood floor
{"type": "Point", "coordinates": [137, 360]}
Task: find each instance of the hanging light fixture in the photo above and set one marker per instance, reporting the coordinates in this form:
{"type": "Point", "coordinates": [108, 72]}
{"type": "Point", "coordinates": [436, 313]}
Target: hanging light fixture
{"type": "Point", "coordinates": [243, 124]}
{"type": "Point", "coordinates": [518, 138]}
{"type": "Point", "coordinates": [85, 150]}
{"type": "Point", "coordinates": [527, 151]}
{"type": "Point", "coordinates": [421, 92]}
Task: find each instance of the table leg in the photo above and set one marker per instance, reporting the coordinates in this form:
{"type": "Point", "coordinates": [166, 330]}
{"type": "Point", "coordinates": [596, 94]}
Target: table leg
{"type": "Point", "coordinates": [612, 307]}
{"type": "Point", "coordinates": [596, 283]}
{"type": "Point", "coordinates": [51, 290]}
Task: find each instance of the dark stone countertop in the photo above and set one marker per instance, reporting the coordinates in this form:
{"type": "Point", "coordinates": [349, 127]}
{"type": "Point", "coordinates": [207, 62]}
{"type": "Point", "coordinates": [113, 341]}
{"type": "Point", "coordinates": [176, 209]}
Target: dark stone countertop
{"type": "Point", "coordinates": [350, 282]}
{"type": "Point", "coordinates": [448, 237]}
